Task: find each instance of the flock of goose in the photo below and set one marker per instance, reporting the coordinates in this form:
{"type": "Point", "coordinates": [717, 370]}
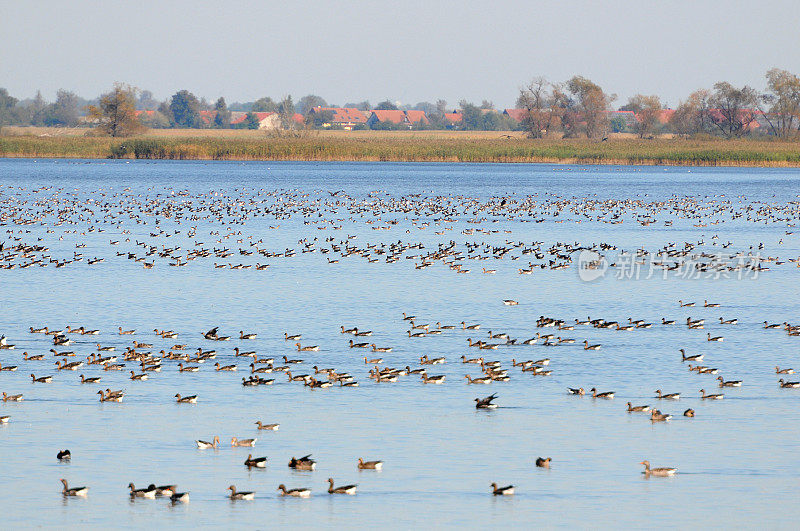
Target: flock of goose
{"type": "Point", "coordinates": [74, 220]}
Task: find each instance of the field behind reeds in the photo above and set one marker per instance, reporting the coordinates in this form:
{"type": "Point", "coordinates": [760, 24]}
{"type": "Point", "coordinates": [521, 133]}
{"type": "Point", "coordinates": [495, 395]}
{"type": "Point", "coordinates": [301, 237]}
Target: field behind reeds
{"type": "Point", "coordinates": [422, 146]}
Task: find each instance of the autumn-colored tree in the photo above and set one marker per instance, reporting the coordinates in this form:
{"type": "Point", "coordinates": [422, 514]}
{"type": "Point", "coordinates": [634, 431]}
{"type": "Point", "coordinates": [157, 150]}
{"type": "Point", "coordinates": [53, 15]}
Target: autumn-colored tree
{"type": "Point", "coordinates": [692, 116]}
{"type": "Point", "coordinates": [539, 99]}
{"type": "Point", "coordinates": [116, 112]}
{"type": "Point", "coordinates": [783, 99]}
{"type": "Point", "coordinates": [591, 104]}
{"type": "Point", "coordinates": [733, 108]}
{"type": "Point", "coordinates": [647, 110]}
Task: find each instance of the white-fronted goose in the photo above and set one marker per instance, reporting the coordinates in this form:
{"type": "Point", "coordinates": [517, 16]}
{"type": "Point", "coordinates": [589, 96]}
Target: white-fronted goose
{"type": "Point", "coordinates": [141, 377]}
{"type": "Point", "coordinates": [369, 465]}
{"type": "Point", "coordinates": [243, 442]}
{"type": "Point", "coordinates": [149, 492]}
{"type": "Point", "coordinates": [704, 396]}
{"type": "Point", "coordinates": [543, 462]}
{"type": "Point", "coordinates": [579, 391]}
{"type": "Point", "coordinates": [658, 416]}
{"type": "Point", "coordinates": [242, 335]}
{"type": "Point", "coordinates": [667, 396]}
{"type": "Point", "coordinates": [502, 491]}
{"type": "Point", "coordinates": [186, 399]}
{"type": "Point", "coordinates": [296, 493]}
{"type": "Point", "coordinates": [689, 413]}
{"type": "Point", "coordinates": [729, 383]}
{"type": "Point", "coordinates": [694, 357]}
{"type": "Point", "coordinates": [312, 348]}
{"type": "Point", "coordinates": [242, 495]}
{"type": "Point", "coordinates": [607, 395]}
{"type": "Point", "coordinates": [778, 370]}
{"type": "Point", "coordinates": [203, 445]}
{"type": "Point", "coordinates": [347, 489]}
{"type": "Point", "coordinates": [303, 463]}
{"type": "Point", "coordinates": [715, 338]}
{"type": "Point", "coordinates": [484, 380]}
{"type": "Point", "coordinates": [587, 346]}
{"type": "Point", "coordinates": [219, 367]}
{"type": "Point", "coordinates": [267, 426]}
{"type": "Point", "coordinates": [638, 409]}
{"type": "Point", "coordinates": [664, 471]}
{"type": "Point", "coordinates": [12, 398]}
{"type": "Point", "coordinates": [74, 491]}
{"type": "Point", "coordinates": [42, 379]}
{"type": "Point", "coordinates": [788, 385]}
{"type": "Point", "coordinates": [179, 497]}
{"type": "Point", "coordinates": [257, 462]}
{"type": "Point", "coordinates": [93, 379]}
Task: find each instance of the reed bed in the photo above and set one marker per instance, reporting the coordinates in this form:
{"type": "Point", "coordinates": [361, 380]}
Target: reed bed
{"type": "Point", "coordinates": [399, 148]}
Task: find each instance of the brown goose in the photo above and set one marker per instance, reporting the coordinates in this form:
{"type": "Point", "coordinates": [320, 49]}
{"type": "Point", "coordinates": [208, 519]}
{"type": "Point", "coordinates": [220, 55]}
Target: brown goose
{"type": "Point", "coordinates": [241, 495]}
{"type": "Point", "coordinates": [347, 489]}
{"type": "Point", "coordinates": [74, 491]}
{"type": "Point", "coordinates": [607, 395]}
{"type": "Point", "coordinates": [369, 465]}
{"type": "Point", "coordinates": [297, 493]}
{"type": "Point", "coordinates": [664, 471]}
{"type": "Point", "coordinates": [502, 491]}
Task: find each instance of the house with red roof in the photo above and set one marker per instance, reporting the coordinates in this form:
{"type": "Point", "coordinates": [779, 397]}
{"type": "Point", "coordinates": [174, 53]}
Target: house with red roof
{"type": "Point", "coordinates": [453, 119]}
{"type": "Point", "coordinates": [345, 117]}
{"type": "Point", "coordinates": [401, 118]}
{"type": "Point", "coordinates": [516, 114]}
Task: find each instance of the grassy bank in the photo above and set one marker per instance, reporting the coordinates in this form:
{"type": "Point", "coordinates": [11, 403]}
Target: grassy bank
{"type": "Point", "coordinates": [408, 146]}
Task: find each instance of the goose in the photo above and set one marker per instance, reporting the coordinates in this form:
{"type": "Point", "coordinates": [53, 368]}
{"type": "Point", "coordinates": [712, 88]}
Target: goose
{"type": "Point", "coordinates": [258, 462]}
{"type": "Point", "coordinates": [658, 416]}
{"type": "Point", "coordinates": [465, 326]}
{"type": "Point", "coordinates": [667, 396]}
{"type": "Point", "coordinates": [83, 331]}
{"type": "Point", "coordinates": [642, 409]}
{"type": "Point", "coordinates": [38, 330]}
{"type": "Point", "coordinates": [342, 383]}
{"type": "Point", "coordinates": [471, 360]}
{"type": "Point", "coordinates": [93, 379]}
{"type": "Point", "coordinates": [408, 317]}
{"type": "Point", "coordinates": [587, 346]}
{"type": "Point", "coordinates": [149, 492]}
{"type": "Point", "coordinates": [303, 463]}
{"type": "Point", "coordinates": [110, 396]}
{"type": "Point", "coordinates": [14, 367]}
{"type": "Point", "coordinates": [66, 366]}
{"type": "Point", "coordinates": [381, 349]}
{"type": "Point", "coordinates": [179, 497]}
{"type": "Point", "coordinates": [415, 334]}
{"type": "Point", "coordinates": [704, 396]}
{"type": "Point", "coordinates": [243, 442]}
{"type": "Point", "coordinates": [349, 330]}
{"type": "Point", "coordinates": [425, 360]}
{"type": "Point", "coordinates": [293, 337]}
{"type": "Point", "coordinates": [188, 368]}
{"type": "Point", "coordinates": [242, 495]}
{"type": "Point", "coordinates": [484, 380]}
{"type": "Point", "coordinates": [664, 471]}
{"type": "Point", "coordinates": [689, 413]}
{"type": "Point", "coordinates": [186, 399]}
{"type": "Point", "coordinates": [267, 426]}
{"type": "Point", "coordinates": [373, 361]}
{"type": "Point", "coordinates": [502, 491]}
{"type": "Point", "coordinates": [358, 345]}
{"type": "Point", "coordinates": [135, 376]}
{"type": "Point", "coordinates": [347, 489]}
{"type": "Point", "coordinates": [105, 349]}
{"type": "Point", "coordinates": [771, 326]}
{"type": "Point", "coordinates": [486, 403]}
{"type": "Point", "coordinates": [297, 493]}
{"type": "Point", "coordinates": [440, 326]}
{"type": "Point", "coordinates": [67, 354]}
{"type": "Point", "coordinates": [510, 302]}
{"type": "Point", "coordinates": [297, 377]}
{"type": "Point", "coordinates": [729, 383]}
{"type": "Point", "coordinates": [694, 357]}
{"type": "Point", "coordinates": [306, 349]}
{"type": "Point", "coordinates": [366, 333]}
{"type": "Point", "coordinates": [12, 398]}
{"type": "Point", "coordinates": [370, 465]}
{"type": "Point", "coordinates": [543, 462]}
{"type": "Point", "coordinates": [685, 305]}
{"type": "Point", "coordinates": [728, 321]}
{"type": "Point", "coordinates": [715, 338]}
{"type": "Point", "coordinates": [438, 379]}
{"type": "Point", "coordinates": [667, 321]}
{"type": "Point", "coordinates": [579, 391]}
{"type": "Point", "coordinates": [126, 332]}
{"type": "Point", "coordinates": [606, 395]}
{"type": "Point", "coordinates": [219, 367]}
{"type": "Point", "coordinates": [248, 354]}
{"type": "Point", "coordinates": [204, 445]}
{"type": "Point", "coordinates": [42, 379]}
{"type": "Point", "coordinates": [64, 455]}
{"type": "Point", "coordinates": [710, 304]}
{"type": "Point", "coordinates": [787, 385]}
{"type": "Point", "coordinates": [409, 370]}
{"type": "Point", "coordinates": [242, 335]}
{"type": "Point", "coordinates": [74, 491]}
{"type": "Point", "coordinates": [37, 357]}
{"type": "Point", "coordinates": [778, 370]}
{"type": "Point", "coordinates": [164, 490]}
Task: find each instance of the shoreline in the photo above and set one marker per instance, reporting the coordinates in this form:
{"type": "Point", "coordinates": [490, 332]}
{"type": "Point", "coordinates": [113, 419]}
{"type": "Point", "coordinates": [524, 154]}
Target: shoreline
{"type": "Point", "coordinates": [417, 148]}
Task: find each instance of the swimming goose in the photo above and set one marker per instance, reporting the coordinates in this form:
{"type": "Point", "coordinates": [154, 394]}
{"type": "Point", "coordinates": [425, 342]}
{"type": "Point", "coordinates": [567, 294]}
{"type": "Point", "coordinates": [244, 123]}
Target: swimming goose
{"type": "Point", "coordinates": [415, 334]}
{"type": "Point", "coordinates": [86, 332]}
{"type": "Point", "coordinates": [667, 322]}
{"type": "Point", "coordinates": [42, 379]}
{"type": "Point", "coordinates": [510, 302]}
{"type": "Point", "coordinates": [105, 349]}
{"type": "Point", "coordinates": [771, 326]}
{"type": "Point", "coordinates": [502, 491]}
{"type": "Point", "coordinates": [305, 349]}
{"type": "Point", "coordinates": [14, 367]}
{"type": "Point", "coordinates": [67, 366]}
{"type": "Point", "coordinates": [179, 497]}
{"type": "Point", "coordinates": [297, 493]}
{"type": "Point", "coordinates": [587, 346]}
{"type": "Point", "coordinates": [294, 337]}
{"type": "Point", "coordinates": [38, 330]}
{"type": "Point", "coordinates": [110, 396]}
{"type": "Point", "coordinates": [303, 463]}
{"type": "Point", "coordinates": [135, 376]}
{"type": "Point", "coordinates": [219, 367]}
{"type": "Point", "coordinates": [778, 370]}
{"type": "Point", "coordinates": [37, 357]}
{"type": "Point", "coordinates": [787, 385]}
{"type": "Point", "coordinates": [242, 495]}
{"type": "Point", "coordinates": [258, 462]}
{"type": "Point", "coordinates": [358, 345]}
{"type": "Point", "coordinates": [438, 379]}
{"type": "Point", "coordinates": [149, 492]}
{"type": "Point", "coordinates": [694, 357]}
{"type": "Point", "coordinates": [440, 326]}
{"type": "Point", "coordinates": [205, 444]}
{"type": "Point", "coordinates": [164, 490]}
{"type": "Point", "coordinates": [74, 491]}
{"type": "Point", "coordinates": [242, 335]}
{"type": "Point", "coordinates": [348, 330]}
{"type": "Point", "coordinates": [632, 409]}
{"type": "Point", "coordinates": [465, 326]}
{"type": "Point", "coordinates": [126, 332]}
{"type": "Point", "coordinates": [486, 403]}
{"type": "Point", "coordinates": [425, 360]}
{"type": "Point", "coordinates": [664, 471]}
{"type": "Point", "coordinates": [606, 395]}
{"type": "Point", "coordinates": [704, 396]}
{"type": "Point", "coordinates": [715, 338]}
{"type": "Point", "coordinates": [188, 368]}
{"type": "Point", "coordinates": [12, 398]}
{"type": "Point", "coordinates": [186, 399]}
{"type": "Point", "coordinates": [267, 426]}
{"type": "Point", "coordinates": [658, 416]}
{"type": "Point", "coordinates": [243, 442]}
{"type": "Point", "coordinates": [685, 305]}
{"type": "Point", "coordinates": [347, 489]}
{"type": "Point", "coordinates": [371, 465]}
{"type": "Point", "coordinates": [710, 304]}
{"type": "Point", "coordinates": [729, 383]}
{"type": "Point", "coordinates": [542, 462]}
{"type": "Point", "coordinates": [93, 379]}
{"type": "Point", "coordinates": [381, 349]}
{"type": "Point", "coordinates": [64, 455]}
{"type": "Point", "coordinates": [728, 321]}
{"type": "Point", "coordinates": [689, 413]}
{"type": "Point", "coordinates": [366, 333]}
{"type": "Point", "coordinates": [667, 396]}
{"type": "Point", "coordinates": [408, 317]}
{"type": "Point", "coordinates": [484, 380]}
{"type": "Point", "coordinates": [579, 391]}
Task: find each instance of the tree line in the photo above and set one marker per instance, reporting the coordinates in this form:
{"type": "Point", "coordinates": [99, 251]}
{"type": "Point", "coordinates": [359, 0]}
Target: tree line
{"type": "Point", "coordinates": [577, 107]}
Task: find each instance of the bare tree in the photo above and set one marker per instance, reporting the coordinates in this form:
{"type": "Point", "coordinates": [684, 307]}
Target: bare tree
{"type": "Point", "coordinates": [116, 112]}
{"type": "Point", "coordinates": [733, 108]}
{"type": "Point", "coordinates": [647, 110]}
{"type": "Point", "coordinates": [539, 101]}
{"type": "Point", "coordinates": [692, 116]}
{"type": "Point", "coordinates": [783, 98]}
{"type": "Point", "coordinates": [592, 105]}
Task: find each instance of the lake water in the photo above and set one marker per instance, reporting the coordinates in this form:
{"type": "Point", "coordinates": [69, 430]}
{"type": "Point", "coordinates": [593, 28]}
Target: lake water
{"type": "Point", "coordinates": [738, 460]}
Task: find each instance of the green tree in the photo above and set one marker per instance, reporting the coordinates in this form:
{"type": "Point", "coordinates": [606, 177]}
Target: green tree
{"type": "Point", "coordinates": [36, 110]}
{"type": "Point", "coordinates": [185, 110]}
{"type": "Point", "coordinates": [472, 117]}
{"type": "Point", "coordinates": [361, 106]}
{"type": "Point", "coordinates": [264, 104]}
{"type": "Point", "coordinates": [222, 118]}
{"type": "Point", "coordinates": [63, 112]}
{"type": "Point", "coordinates": [386, 105]}
{"type": "Point", "coordinates": [308, 102]}
{"type": "Point", "coordinates": [146, 101]}
{"type": "Point", "coordinates": [7, 108]}
{"type": "Point", "coordinates": [286, 111]}
{"type": "Point", "coordinates": [116, 112]}
{"type": "Point", "coordinates": [783, 98]}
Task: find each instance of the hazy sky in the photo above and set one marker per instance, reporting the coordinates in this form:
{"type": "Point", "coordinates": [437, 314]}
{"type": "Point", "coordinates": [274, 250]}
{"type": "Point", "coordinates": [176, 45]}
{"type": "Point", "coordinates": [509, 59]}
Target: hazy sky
{"type": "Point", "coordinates": [406, 50]}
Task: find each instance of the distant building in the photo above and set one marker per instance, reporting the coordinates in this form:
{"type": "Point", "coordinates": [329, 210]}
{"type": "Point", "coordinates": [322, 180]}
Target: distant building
{"type": "Point", "coordinates": [452, 119]}
{"type": "Point", "coordinates": [345, 117]}
{"type": "Point", "coordinates": [516, 114]}
{"type": "Point", "coordinates": [405, 118]}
